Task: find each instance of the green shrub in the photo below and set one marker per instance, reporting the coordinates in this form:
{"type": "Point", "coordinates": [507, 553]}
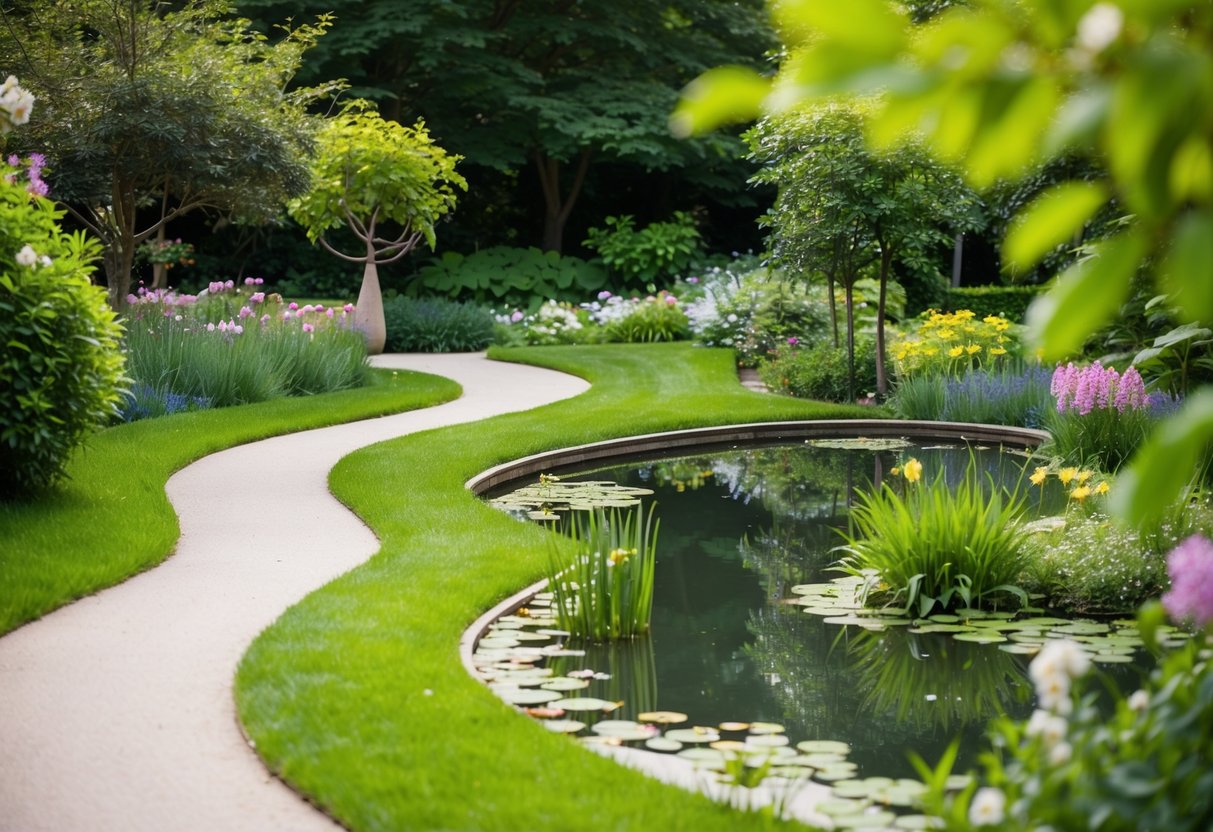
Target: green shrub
{"type": "Point", "coordinates": [61, 373]}
{"type": "Point", "coordinates": [653, 319]}
{"type": "Point", "coordinates": [951, 545]}
{"type": "Point", "coordinates": [820, 372]}
{"type": "Point", "coordinates": [436, 325]}
{"type": "Point", "coordinates": [653, 256]}
{"type": "Point", "coordinates": [1010, 302]}
{"type": "Point", "coordinates": [505, 276]}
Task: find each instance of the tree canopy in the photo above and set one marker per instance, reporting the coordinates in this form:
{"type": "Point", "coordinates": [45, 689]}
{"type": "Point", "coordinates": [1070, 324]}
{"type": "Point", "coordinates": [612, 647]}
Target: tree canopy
{"type": "Point", "coordinates": [556, 88]}
{"type": "Point", "coordinates": [147, 113]}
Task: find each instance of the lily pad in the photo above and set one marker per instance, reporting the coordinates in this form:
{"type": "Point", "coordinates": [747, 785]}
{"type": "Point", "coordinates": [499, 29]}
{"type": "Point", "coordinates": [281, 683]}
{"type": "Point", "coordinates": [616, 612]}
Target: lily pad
{"type": "Point", "coordinates": [704, 757]}
{"type": "Point", "coordinates": [697, 734]}
{"type": "Point", "coordinates": [734, 726]}
{"type": "Point", "coordinates": [662, 717]}
{"type": "Point", "coordinates": [564, 683]}
{"type": "Point", "coordinates": [563, 726]}
{"type": "Point", "coordinates": [841, 806]}
{"type": "Point", "coordinates": [664, 744]}
{"type": "Point", "coordinates": [823, 746]}
{"type": "Point", "coordinates": [913, 822]}
{"type": "Point", "coordinates": [625, 730]}
{"type": "Point", "coordinates": [766, 740]}
{"type": "Point", "coordinates": [528, 696]}
{"type": "Point", "coordinates": [864, 820]}
{"type": "Point", "coordinates": [585, 703]}
{"type": "Point", "coordinates": [980, 638]}
{"type": "Point", "coordinates": [766, 728]}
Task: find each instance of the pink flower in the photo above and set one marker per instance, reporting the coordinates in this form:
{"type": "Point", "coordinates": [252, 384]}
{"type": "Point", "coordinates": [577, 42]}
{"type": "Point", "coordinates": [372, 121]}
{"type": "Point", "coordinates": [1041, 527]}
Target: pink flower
{"type": "Point", "coordinates": [348, 308]}
{"type": "Point", "coordinates": [671, 300]}
{"type": "Point", "coordinates": [517, 316]}
{"type": "Point", "coordinates": [308, 328]}
{"type": "Point", "coordinates": [692, 280]}
{"type": "Point", "coordinates": [329, 312]}
{"type": "Point", "coordinates": [265, 319]}
{"type": "Point", "coordinates": [256, 297]}
{"type": "Point", "coordinates": [223, 326]}
{"type": "Point", "coordinates": [793, 341]}
{"type": "Point", "coordinates": [210, 327]}
{"type": "Point", "coordinates": [292, 306]}
{"type": "Point", "coordinates": [245, 312]}
{"type": "Point", "coordinates": [1190, 566]}
{"type": "Point", "coordinates": [248, 281]}
{"type": "Point", "coordinates": [603, 295]}
{"type": "Point", "coordinates": [236, 328]}
{"type": "Point", "coordinates": [230, 284]}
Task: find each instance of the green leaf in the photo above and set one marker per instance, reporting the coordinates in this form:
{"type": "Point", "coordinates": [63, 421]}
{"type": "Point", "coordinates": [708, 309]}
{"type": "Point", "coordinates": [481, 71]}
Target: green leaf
{"type": "Point", "coordinates": [723, 95]}
{"type": "Point", "coordinates": [1188, 269]}
{"type": "Point", "coordinates": [1051, 219]}
{"type": "Point", "coordinates": [1085, 296]}
{"type": "Point", "coordinates": [872, 27]}
{"type": "Point", "coordinates": [1166, 463]}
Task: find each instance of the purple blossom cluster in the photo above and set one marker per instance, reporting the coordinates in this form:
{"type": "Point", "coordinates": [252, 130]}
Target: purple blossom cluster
{"type": "Point", "coordinates": [33, 174]}
{"type": "Point", "coordinates": [1083, 389]}
{"type": "Point", "coordinates": [166, 297]}
{"type": "Point", "coordinates": [1190, 566]}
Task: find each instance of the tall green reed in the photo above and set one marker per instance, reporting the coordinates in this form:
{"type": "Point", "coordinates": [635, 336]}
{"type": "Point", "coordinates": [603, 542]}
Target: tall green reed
{"type": "Point", "coordinates": [605, 591]}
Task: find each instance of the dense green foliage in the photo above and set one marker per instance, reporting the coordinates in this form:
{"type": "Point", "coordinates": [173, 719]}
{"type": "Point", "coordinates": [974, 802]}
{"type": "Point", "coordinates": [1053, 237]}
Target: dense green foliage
{"type": "Point", "coordinates": [646, 321]}
{"type": "Point", "coordinates": [821, 371]}
{"type": "Point", "coordinates": [517, 277]}
{"type": "Point", "coordinates": [147, 112]}
{"type": "Point", "coordinates": [61, 371]}
{"type": "Point", "coordinates": [460, 758]}
{"type": "Point", "coordinates": [559, 107]}
{"type": "Point", "coordinates": [81, 538]}
{"type": "Point", "coordinates": [1010, 302]}
{"type": "Point", "coordinates": [436, 325]}
{"type": "Point", "coordinates": [651, 256]}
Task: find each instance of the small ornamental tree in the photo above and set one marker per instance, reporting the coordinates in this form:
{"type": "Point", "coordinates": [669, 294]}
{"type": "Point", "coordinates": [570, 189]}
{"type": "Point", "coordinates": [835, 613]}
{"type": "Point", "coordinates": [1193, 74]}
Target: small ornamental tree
{"type": "Point", "coordinates": [370, 175]}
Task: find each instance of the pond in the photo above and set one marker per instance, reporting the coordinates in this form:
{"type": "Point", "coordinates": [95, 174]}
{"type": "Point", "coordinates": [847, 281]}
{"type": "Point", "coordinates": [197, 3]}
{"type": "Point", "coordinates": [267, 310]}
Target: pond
{"type": "Point", "coordinates": [731, 641]}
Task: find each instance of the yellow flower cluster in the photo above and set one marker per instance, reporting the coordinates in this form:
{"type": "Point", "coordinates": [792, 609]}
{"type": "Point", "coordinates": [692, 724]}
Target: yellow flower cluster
{"type": "Point", "coordinates": [912, 470]}
{"type": "Point", "coordinates": [951, 343]}
{"type": "Point", "coordinates": [1079, 478]}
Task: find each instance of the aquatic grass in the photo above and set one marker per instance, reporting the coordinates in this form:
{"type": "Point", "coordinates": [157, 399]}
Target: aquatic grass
{"type": "Point", "coordinates": [605, 590]}
{"type": "Point", "coordinates": [401, 737]}
{"type": "Point", "coordinates": [110, 518]}
{"type": "Point", "coordinates": [938, 544]}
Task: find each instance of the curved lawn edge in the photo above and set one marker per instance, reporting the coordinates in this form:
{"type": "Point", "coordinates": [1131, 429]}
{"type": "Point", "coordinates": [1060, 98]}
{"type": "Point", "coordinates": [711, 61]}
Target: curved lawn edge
{"type": "Point", "coordinates": [356, 696]}
{"type": "Point", "coordinates": [112, 519]}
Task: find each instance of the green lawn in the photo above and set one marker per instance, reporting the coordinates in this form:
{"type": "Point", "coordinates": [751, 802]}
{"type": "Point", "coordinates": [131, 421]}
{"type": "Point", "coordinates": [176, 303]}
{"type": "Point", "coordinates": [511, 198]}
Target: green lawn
{"type": "Point", "coordinates": [111, 519]}
{"type": "Point", "coordinates": [356, 695]}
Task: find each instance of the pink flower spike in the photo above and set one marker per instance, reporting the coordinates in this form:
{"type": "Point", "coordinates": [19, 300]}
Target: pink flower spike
{"type": "Point", "coordinates": [1190, 566]}
{"type": "Point", "coordinates": [265, 319]}
{"type": "Point", "coordinates": [348, 308]}
{"type": "Point", "coordinates": [223, 326]}
{"type": "Point", "coordinates": [210, 327]}
{"type": "Point", "coordinates": [256, 297]}
{"type": "Point", "coordinates": [236, 328]}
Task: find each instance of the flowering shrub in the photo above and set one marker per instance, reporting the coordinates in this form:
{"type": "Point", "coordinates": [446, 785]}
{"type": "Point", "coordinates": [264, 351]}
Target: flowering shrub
{"type": "Point", "coordinates": [954, 343]}
{"type": "Point", "coordinates": [233, 344]}
{"type": "Point", "coordinates": [655, 318]}
{"type": "Point", "coordinates": [61, 371]}
{"type": "Point", "coordinates": [610, 317]}
{"type": "Point", "coordinates": [1072, 766]}
{"type": "Point", "coordinates": [1101, 416]}
{"type": "Point", "coordinates": [1003, 397]}
{"type": "Point", "coordinates": [15, 104]}
{"type": "Point", "coordinates": [819, 371]}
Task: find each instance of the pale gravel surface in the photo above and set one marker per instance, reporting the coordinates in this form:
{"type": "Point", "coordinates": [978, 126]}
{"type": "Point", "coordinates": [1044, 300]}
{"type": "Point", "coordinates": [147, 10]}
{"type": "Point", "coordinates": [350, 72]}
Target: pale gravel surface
{"type": "Point", "coordinates": [116, 712]}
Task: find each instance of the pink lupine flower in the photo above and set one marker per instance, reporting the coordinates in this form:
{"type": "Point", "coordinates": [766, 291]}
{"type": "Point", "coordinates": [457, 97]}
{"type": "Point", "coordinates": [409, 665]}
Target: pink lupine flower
{"type": "Point", "coordinates": [1190, 567]}
{"type": "Point", "coordinates": [248, 281]}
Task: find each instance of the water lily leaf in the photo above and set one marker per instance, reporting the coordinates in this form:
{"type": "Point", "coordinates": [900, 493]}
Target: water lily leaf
{"type": "Point", "coordinates": [1081, 628]}
{"type": "Point", "coordinates": [864, 820]}
{"type": "Point", "coordinates": [734, 726]}
{"type": "Point", "coordinates": [823, 759]}
{"type": "Point", "coordinates": [563, 726]}
{"type": "Point", "coordinates": [728, 745]}
{"type": "Point", "coordinates": [766, 728]}
{"type": "Point", "coordinates": [914, 822]}
{"type": "Point", "coordinates": [766, 740]}
{"type": "Point", "coordinates": [664, 744]}
{"type": "Point", "coordinates": [943, 628]}
{"type": "Point", "coordinates": [584, 703]}
{"type": "Point", "coordinates": [528, 696]}
{"type": "Point", "coordinates": [853, 789]}
{"type": "Point", "coordinates": [703, 757]}
{"type": "Point", "coordinates": [1020, 649]}
{"type": "Point", "coordinates": [497, 642]}
{"type": "Point", "coordinates": [697, 734]}
{"type": "Point", "coordinates": [662, 717]}
{"type": "Point", "coordinates": [836, 771]}
{"type": "Point", "coordinates": [841, 806]}
{"type": "Point", "coordinates": [598, 739]}
{"type": "Point", "coordinates": [564, 683]}
{"type": "Point", "coordinates": [823, 746]}
{"type": "Point", "coordinates": [625, 730]}
{"type": "Point", "coordinates": [1112, 658]}
{"type": "Point", "coordinates": [980, 638]}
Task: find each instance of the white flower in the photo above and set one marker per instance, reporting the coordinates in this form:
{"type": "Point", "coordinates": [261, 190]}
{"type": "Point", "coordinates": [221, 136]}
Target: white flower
{"type": "Point", "coordinates": [988, 807]}
{"type": "Point", "coordinates": [1139, 701]}
{"type": "Point", "coordinates": [1064, 657]}
{"type": "Point", "coordinates": [1049, 727]}
{"type": "Point", "coordinates": [1060, 754]}
{"type": "Point", "coordinates": [1099, 27]}
{"type": "Point", "coordinates": [45, 260]}
{"type": "Point", "coordinates": [27, 257]}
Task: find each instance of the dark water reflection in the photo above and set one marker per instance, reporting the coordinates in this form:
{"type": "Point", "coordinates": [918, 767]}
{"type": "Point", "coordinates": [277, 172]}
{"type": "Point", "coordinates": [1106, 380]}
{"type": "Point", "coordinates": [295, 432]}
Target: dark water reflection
{"type": "Point", "coordinates": [738, 530]}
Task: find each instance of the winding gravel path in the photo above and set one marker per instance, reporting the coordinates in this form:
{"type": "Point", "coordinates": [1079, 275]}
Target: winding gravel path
{"type": "Point", "coordinates": [116, 712]}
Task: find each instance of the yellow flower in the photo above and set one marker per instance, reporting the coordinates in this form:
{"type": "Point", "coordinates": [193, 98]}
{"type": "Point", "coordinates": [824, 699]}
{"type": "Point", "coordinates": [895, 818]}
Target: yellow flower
{"type": "Point", "coordinates": [973, 348]}
{"type": "Point", "coordinates": [946, 333]}
{"type": "Point", "coordinates": [991, 319]}
{"type": "Point", "coordinates": [913, 470]}
{"type": "Point", "coordinates": [997, 351]}
{"type": "Point", "coordinates": [619, 556]}
{"type": "Point", "coordinates": [1067, 474]}
{"type": "Point", "coordinates": [895, 471]}
{"type": "Point", "coordinates": [1102, 488]}
{"type": "Point", "coordinates": [931, 351]}
{"type": "Point", "coordinates": [1039, 475]}
{"type": "Point", "coordinates": [1081, 493]}
{"type": "Point", "coordinates": [1084, 475]}
{"type": "Point", "coordinates": [964, 314]}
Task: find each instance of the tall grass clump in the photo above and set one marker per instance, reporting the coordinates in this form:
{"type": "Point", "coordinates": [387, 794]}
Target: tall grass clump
{"type": "Point", "coordinates": [1005, 396]}
{"type": "Point", "coordinates": [1101, 416]}
{"type": "Point", "coordinates": [605, 591]}
{"type": "Point", "coordinates": [259, 349]}
{"type": "Point", "coordinates": [436, 325]}
{"type": "Point", "coordinates": [937, 545]}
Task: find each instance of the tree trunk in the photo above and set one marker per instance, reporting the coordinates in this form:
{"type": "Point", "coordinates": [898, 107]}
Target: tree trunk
{"type": "Point", "coordinates": [118, 261]}
{"type": "Point", "coordinates": [368, 315]}
{"type": "Point", "coordinates": [557, 206]}
{"type": "Point", "coordinates": [160, 270]}
{"type": "Point", "coordinates": [850, 301]}
{"type": "Point", "coordinates": [882, 381]}
{"type": "Point", "coordinates": [833, 308]}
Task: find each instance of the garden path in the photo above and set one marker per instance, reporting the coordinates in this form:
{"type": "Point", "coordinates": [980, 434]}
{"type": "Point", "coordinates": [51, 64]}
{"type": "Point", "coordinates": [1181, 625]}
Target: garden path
{"type": "Point", "coordinates": [116, 712]}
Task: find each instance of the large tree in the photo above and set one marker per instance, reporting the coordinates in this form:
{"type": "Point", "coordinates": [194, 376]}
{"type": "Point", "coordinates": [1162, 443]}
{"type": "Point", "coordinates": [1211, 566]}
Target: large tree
{"type": "Point", "coordinates": [148, 111]}
{"type": "Point", "coordinates": [843, 208]}
{"type": "Point", "coordinates": [549, 89]}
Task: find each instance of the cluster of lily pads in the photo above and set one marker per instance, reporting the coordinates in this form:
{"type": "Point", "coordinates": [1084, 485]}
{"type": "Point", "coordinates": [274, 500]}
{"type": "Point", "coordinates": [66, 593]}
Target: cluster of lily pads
{"type": "Point", "coordinates": [550, 497]}
{"type": "Point", "coordinates": [510, 658]}
{"type": "Point", "coordinates": [1024, 631]}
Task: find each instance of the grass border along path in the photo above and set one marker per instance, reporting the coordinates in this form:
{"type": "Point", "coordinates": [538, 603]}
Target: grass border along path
{"type": "Point", "coordinates": [112, 519]}
{"type": "Point", "coordinates": [356, 695]}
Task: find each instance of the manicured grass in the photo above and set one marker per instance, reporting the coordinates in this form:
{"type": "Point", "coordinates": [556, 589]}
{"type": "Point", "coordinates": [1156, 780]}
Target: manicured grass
{"type": "Point", "coordinates": [356, 695]}
{"type": "Point", "coordinates": [112, 518]}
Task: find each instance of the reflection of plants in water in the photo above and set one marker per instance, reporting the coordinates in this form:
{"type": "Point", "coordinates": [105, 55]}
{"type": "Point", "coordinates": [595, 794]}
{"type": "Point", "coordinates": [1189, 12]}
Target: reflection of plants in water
{"type": "Point", "coordinates": [791, 552]}
{"type": "Point", "coordinates": [681, 474]}
{"type": "Point", "coordinates": [797, 482]}
{"type": "Point", "coordinates": [935, 682]}
{"type": "Point", "coordinates": [633, 674]}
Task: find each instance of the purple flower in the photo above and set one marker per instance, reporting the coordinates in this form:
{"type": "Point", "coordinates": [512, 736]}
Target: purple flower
{"type": "Point", "coordinates": [1190, 566]}
{"type": "Point", "coordinates": [516, 317]}
{"type": "Point", "coordinates": [793, 341]}
{"type": "Point", "coordinates": [245, 312]}
{"type": "Point", "coordinates": [348, 308]}
{"type": "Point", "coordinates": [292, 306]}
{"type": "Point", "coordinates": [603, 295]}
{"type": "Point", "coordinates": [308, 328]}
{"type": "Point", "coordinates": [230, 284]}
{"type": "Point", "coordinates": [248, 281]}
{"type": "Point", "coordinates": [256, 297]}
{"type": "Point", "coordinates": [692, 280]}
